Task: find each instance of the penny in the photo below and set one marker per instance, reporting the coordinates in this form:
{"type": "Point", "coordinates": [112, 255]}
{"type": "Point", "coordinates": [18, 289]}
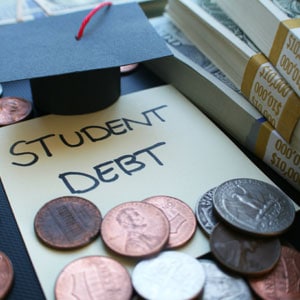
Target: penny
{"type": "Point", "coordinates": [135, 229]}
{"type": "Point", "coordinates": [93, 277]}
{"type": "Point", "coordinates": [67, 222]}
{"type": "Point", "coordinates": [205, 214]}
{"type": "Point", "coordinates": [181, 218]}
{"type": "Point", "coordinates": [128, 68]}
{"type": "Point", "coordinates": [254, 206]}
{"type": "Point", "coordinates": [283, 281]}
{"type": "Point", "coordinates": [13, 110]}
{"type": "Point", "coordinates": [6, 274]}
{"type": "Point", "coordinates": [223, 285]}
{"type": "Point", "coordinates": [169, 275]}
{"type": "Point", "coordinates": [242, 253]}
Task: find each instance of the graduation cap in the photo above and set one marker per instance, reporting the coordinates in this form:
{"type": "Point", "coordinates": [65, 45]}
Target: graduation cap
{"type": "Point", "coordinates": [74, 76]}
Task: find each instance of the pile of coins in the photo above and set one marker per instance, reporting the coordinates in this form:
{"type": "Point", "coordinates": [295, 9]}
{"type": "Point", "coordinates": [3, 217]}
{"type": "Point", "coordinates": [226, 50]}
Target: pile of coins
{"type": "Point", "coordinates": [244, 219]}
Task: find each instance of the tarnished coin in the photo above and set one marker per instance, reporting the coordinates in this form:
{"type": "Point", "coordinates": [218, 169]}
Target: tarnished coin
{"type": "Point", "coordinates": [283, 281]}
{"type": "Point", "coordinates": [93, 277]}
{"type": "Point", "coordinates": [6, 274]}
{"type": "Point", "coordinates": [205, 214]}
{"type": "Point", "coordinates": [242, 253]}
{"type": "Point", "coordinates": [223, 285]}
{"type": "Point", "coordinates": [181, 218]}
{"type": "Point", "coordinates": [13, 110]}
{"type": "Point", "coordinates": [68, 222]}
{"type": "Point", "coordinates": [128, 68]}
{"type": "Point", "coordinates": [171, 275]}
{"type": "Point", "coordinates": [254, 206]}
{"type": "Point", "coordinates": [135, 229]}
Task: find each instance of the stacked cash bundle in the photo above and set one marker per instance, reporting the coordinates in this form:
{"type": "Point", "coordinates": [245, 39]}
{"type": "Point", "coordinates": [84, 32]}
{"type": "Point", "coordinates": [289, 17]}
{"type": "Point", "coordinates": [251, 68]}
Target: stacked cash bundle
{"type": "Point", "coordinates": [227, 46]}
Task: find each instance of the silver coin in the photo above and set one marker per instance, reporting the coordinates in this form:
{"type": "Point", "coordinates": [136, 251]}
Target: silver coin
{"type": "Point", "coordinates": [222, 285]}
{"type": "Point", "coordinates": [205, 214]}
{"type": "Point", "coordinates": [254, 206]}
{"type": "Point", "coordinates": [170, 275]}
{"type": "Point", "coordinates": [1, 90]}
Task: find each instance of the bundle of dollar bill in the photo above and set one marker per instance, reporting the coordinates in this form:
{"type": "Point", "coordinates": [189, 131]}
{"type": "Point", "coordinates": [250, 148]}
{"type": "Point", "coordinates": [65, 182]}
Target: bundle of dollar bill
{"type": "Point", "coordinates": [228, 47]}
{"type": "Point", "coordinates": [192, 73]}
{"type": "Point", "coordinates": [274, 27]}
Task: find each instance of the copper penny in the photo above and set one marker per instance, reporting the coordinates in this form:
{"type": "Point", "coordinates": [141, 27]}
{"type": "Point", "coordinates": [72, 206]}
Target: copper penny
{"type": "Point", "coordinates": [13, 110]}
{"type": "Point", "coordinates": [135, 229]}
{"type": "Point", "coordinates": [242, 253]}
{"type": "Point", "coordinates": [6, 275]}
{"type": "Point", "coordinates": [283, 282]}
{"type": "Point", "coordinates": [128, 68]}
{"type": "Point", "coordinates": [181, 218]}
{"type": "Point", "coordinates": [68, 222]}
{"type": "Point", "coordinates": [93, 277]}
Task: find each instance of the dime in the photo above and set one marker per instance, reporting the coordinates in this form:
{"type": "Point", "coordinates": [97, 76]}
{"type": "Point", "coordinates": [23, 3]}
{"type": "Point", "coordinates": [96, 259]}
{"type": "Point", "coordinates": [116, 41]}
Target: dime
{"type": "Point", "coordinates": [93, 277]}
{"type": "Point", "coordinates": [135, 229]}
{"type": "Point", "coordinates": [181, 218]}
{"type": "Point", "coordinates": [242, 253]}
{"type": "Point", "coordinates": [6, 274]}
{"type": "Point", "coordinates": [206, 216]}
{"type": "Point", "coordinates": [254, 206]}
{"type": "Point", "coordinates": [68, 222]}
{"type": "Point", "coordinates": [222, 285]}
{"type": "Point", "coordinates": [170, 275]}
{"type": "Point", "coordinates": [13, 110]}
{"type": "Point", "coordinates": [283, 281]}
{"type": "Point", "coordinates": [128, 68]}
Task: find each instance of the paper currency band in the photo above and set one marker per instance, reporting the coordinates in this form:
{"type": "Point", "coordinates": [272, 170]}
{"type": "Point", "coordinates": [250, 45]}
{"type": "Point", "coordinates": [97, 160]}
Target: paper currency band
{"type": "Point", "coordinates": [289, 113]}
{"type": "Point", "coordinates": [285, 51]}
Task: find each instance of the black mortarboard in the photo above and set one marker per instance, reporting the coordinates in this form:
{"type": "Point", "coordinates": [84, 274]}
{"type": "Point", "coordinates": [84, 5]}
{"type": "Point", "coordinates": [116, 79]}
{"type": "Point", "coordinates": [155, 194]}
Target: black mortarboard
{"type": "Point", "coordinates": [70, 76]}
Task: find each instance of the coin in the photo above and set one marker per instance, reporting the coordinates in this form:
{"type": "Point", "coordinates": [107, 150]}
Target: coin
{"type": "Point", "coordinates": [254, 206]}
{"type": "Point", "coordinates": [242, 253]}
{"type": "Point", "coordinates": [135, 229]}
{"type": "Point", "coordinates": [1, 90]}
{"type": "Point", "coordinates": [67, 222]}
{"type": "Point", "coordinates": [181, 218]}
{"type": "Point", "coordinates": [283, 281]}
{"type": "Point", "coordinates": [223, 285]}
{"type": "Point", "coordinates": [93, 277]}
{"type": "Point", "coordinates": [13, 110]}
{"type": "Point", "coordinates": [6, 274]}
{"type": "Point", "coordinates": [128, 68]}
{"type": "Point", "coordinates": [170, 275]}
{"type": "Point", "coordinates": [205, 214]}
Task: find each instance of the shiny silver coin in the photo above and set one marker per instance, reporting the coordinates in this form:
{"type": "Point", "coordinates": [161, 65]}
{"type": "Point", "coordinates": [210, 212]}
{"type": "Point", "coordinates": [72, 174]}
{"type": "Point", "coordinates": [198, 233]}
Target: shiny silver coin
{"type": "Point", "coordinates": [254, 206]}
{"type": "Point", "coordinates": [204, 211]}
{"type": "Point", "coordinates": [223, 285]}
{"type": "Point", "coordinates": [170, 275]}
{"type": "Point", "coordinates": [242, 253]}
{"type": "Point", "coordinates": [1, 90]}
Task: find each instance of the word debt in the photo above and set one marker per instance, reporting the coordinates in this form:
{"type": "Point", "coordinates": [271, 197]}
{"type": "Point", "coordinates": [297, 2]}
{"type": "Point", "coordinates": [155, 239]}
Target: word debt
{"type": "Point", "coordinates": [110, 171]}
{"type": "Point", "coordinates": [28, 152]}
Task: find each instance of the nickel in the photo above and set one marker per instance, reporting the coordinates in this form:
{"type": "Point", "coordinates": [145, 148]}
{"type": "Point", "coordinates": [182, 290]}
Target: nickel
{"type": "Point", "coordinates": [254, 206]}
{"type": "Point", "coordinates": [6, 275]}
{"type": "Point", "coordinates": [171, 275]}
{"type": "Point", "coordinates": [68, 222]}
{"type": "Point", "coordinates": [181, 218]}
{"type": "Point", "coordinates": [13, 110]}
{"type": "Point", "coordinates": [135, 229]}
{"type": "Point", "coordinates": [244, 254]}
{"type": "Point", "coordinates": [93, 277]}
